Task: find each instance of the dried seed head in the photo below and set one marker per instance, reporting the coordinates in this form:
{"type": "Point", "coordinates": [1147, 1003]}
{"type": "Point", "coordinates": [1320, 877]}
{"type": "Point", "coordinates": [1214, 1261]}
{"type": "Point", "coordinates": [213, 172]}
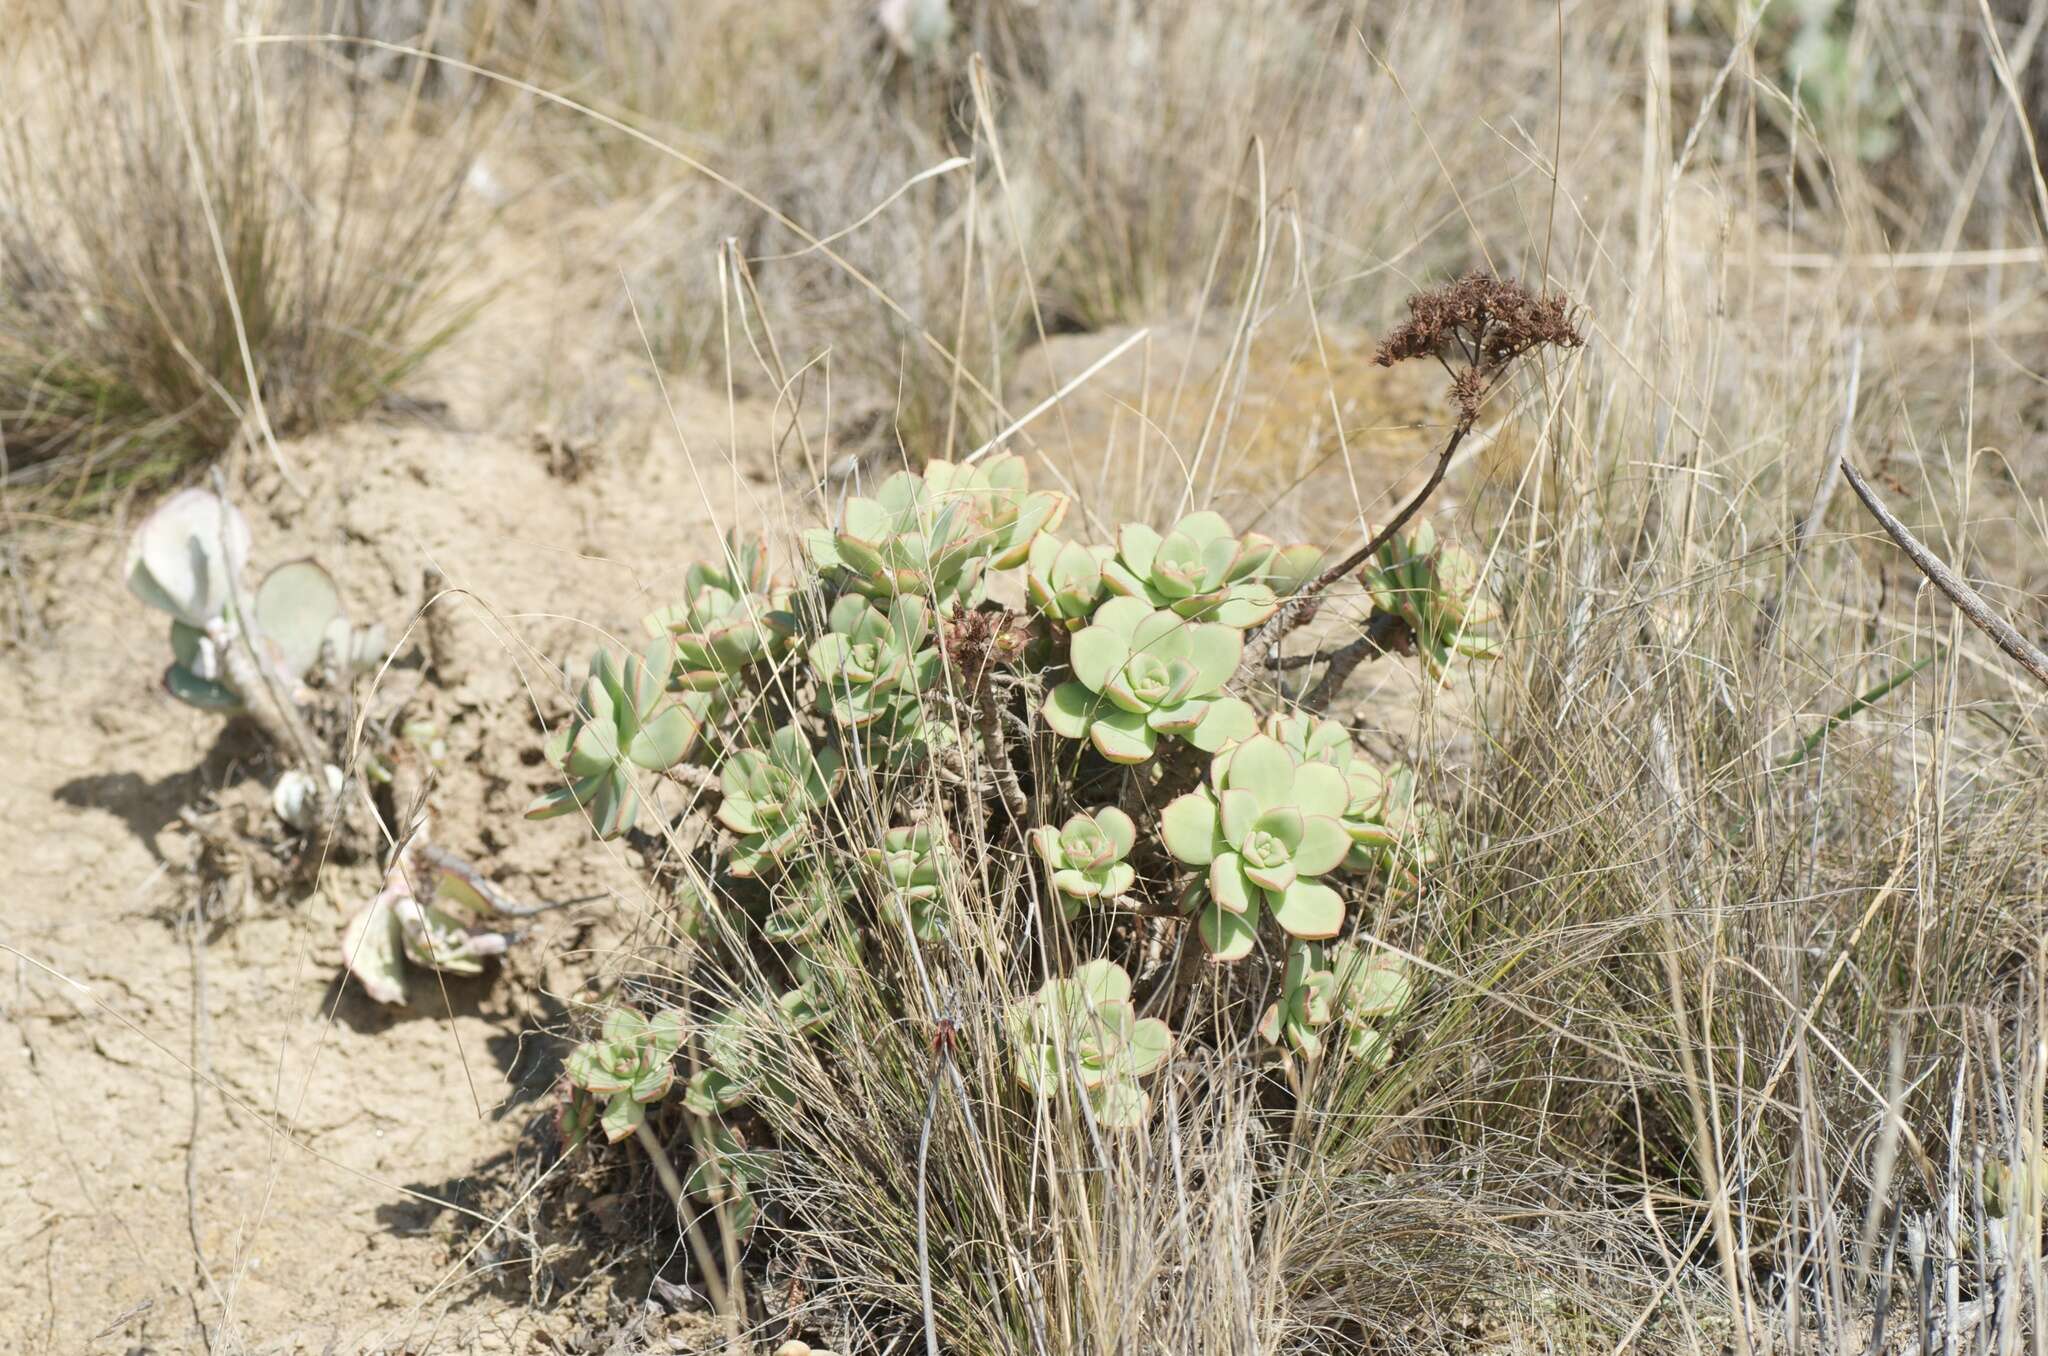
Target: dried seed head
{"type": "Point", "coordinates": [1486, 323]}
{"type": "Point", "coordinates": [977, 642]}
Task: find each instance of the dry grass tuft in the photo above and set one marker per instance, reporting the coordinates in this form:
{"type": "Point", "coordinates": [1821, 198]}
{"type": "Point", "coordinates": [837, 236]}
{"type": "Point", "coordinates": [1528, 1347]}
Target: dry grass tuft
{"type": "Point", "coordinates": [187, 223]}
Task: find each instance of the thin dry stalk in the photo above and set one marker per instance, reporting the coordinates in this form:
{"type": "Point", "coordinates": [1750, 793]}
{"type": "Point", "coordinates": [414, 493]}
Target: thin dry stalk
{"type": "Point", "coordinates": [1967, 600]}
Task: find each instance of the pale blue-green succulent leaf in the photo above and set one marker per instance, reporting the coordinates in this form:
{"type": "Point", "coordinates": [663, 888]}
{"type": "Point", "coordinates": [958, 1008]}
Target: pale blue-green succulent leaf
{"type": "Point", "coordinates": [622, 1116]}
{"type": "Point", "coordinates": [1228, 720]}
{"type": "Point", "coordinates": [1324, 845]}
{"type": "Point", "coordinates": [1190, 829]}
{"type": "Point", "coordinates": [193, 690]}
{"type": "Point", "coordinates": [1265, 768]}
{"type": "Point", "coordinates": [295, 605]}
{"type": "Point", "coordinates": [1309, 910]}
{"type": "Point", "coordinates": [1122, 737]}
{"type": "Point", "coordinates": [184, 557]}
{"type": "Point", "coordinates": [1228, 936]}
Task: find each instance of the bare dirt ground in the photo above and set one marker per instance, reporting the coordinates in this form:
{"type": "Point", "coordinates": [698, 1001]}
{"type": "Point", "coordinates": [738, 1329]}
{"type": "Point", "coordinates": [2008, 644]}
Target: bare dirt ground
{"type": "Point", "coordinates": [285, 1166]}
{"type": "Point", "coordinates": [296, 1217]}
{"type": "Point", "coordinates": [287, 1163]}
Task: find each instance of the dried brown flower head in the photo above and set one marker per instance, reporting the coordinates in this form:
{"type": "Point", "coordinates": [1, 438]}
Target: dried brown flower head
{"type": "Point", "coordinates": [977, 642]}
{"type": "Point", "coordinates": [1482, 323]}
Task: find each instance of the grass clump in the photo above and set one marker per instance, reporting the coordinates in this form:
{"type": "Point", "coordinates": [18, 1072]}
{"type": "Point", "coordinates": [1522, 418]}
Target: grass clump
{"type": "Point", "coordinates": [201, 241]}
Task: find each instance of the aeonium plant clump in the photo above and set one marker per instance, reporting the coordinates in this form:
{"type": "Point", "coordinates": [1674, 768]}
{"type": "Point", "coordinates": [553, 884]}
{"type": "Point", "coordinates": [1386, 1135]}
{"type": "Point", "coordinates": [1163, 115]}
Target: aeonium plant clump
{"type": "Point", "coordinates": [771, 797]}
{"type": "Point", "coordinates": [1086, 856]}
{"type": "Point", "coordinates": [1264, 835]}
{"type": "Point", "coordinates": [728, 620]}
{"type": "Point", "coordinates": [625, 721]}
{"type": "Point", "coordinates": [944, 695]}
{"type": "Point", "coordinates": [915, 861]}
{"type": "Point", "coordinates": [933, 535]}
{"type": "Point", "coordinates": [1082, 1035]}
{"type": "Point", "coordinates": [1434, 590]}
{"type": "Point", "coordinates": [1199, 570]}
{"type": "Point", "coordinates": [615, 1078]}
{"type": "Point", "coordinates": [1352, 991]}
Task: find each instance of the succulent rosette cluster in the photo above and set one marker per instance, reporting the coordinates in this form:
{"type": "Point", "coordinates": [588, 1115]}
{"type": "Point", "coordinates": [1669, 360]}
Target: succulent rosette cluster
{"type": "Point", "coordinates": [1352, 993]}
{"type": "Point", "coordinates": [1200, 570]}
{"type": "Point", "coordinates": [1268, 829]}
{"type": "Point", "coordinates": [1086, 856]}
{"type": "Point", "coordinates": [934, 535]}
{"type": "Point", "coordinates": [772, 796]}
{"type": "Point", "coordinates": [915, 861]}
{"type": "Point", "coordinates": [1082, 1033]}
{"type": "Point", "coordinates": [1436, 591]}
{"type": "Point", "coordinates": [872, 665]}
{"type": "Point", "coordinates": [1141, 673]}
{"type": "Point", "coordinates": [623, 720]}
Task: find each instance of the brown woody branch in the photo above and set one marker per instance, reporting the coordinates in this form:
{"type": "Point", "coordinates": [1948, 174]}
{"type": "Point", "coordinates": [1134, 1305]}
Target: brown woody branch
{"type": "Point", "coordinates": [1967, 600]}
{"type": "Point", "coordinates": [1302, 606]}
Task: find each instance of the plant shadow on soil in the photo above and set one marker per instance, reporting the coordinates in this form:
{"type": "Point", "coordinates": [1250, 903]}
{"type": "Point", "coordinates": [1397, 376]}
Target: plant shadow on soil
{"type": "Point", "coordinates": [149, 807]}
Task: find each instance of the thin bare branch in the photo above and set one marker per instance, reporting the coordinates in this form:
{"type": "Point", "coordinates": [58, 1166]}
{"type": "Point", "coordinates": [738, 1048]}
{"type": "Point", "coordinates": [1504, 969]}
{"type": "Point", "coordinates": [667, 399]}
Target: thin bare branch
{"type": "Point", "coordinates": [1968, 600]}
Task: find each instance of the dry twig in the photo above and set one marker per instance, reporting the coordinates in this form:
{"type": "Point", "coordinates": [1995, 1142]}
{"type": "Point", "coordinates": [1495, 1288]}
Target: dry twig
{"type": "Point", "coordinates": [1968, 600]}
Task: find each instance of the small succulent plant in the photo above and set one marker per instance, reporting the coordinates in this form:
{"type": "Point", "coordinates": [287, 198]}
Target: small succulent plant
{"type": "Point", "coordinates": [744, 1052]}
{"type": "Point", "coordinates": [187, 559]}
{"type": "Point", "coordinates": [1007, 512]}
{"type": "Point", "coordinates": [1083, 1030]}
{"type": "Point", "coordinates": [727, 622]}
{"type": "Point", "coordinates": [902, 542]}
{"type": "Point", "coordinates": [731, 1069]}
{"type": "Point", "coordinates": [870, 665]}
{"type": "Point", "coordinates": [803, 908]}
{"type": "Point", "coordinates": [934, 535]}
{"type": "Point", "coordinates": [630, 1066]}
{"type": "Point", "coordinates": [398, 930]}
{"type": "Point", "coordinates": [1064, 579]}
{"type": "Point", "coordinates": [623, 720]}
{"type": "Point", "coordinates": [1315, 739]}
{"type": "Point", "coordinates": [915, 862]}
{"type": "Point", "coordinates": [1434, 589]}
{"type": "Point", "coordinates": [1394, 831]}
{"type": "Point", "coordinates": [770, 796]}
{"type": "Point", "coordinates": [186, 556]}
{"type": "Point", "coordinates": [1086, 856]}
{"type": "Point", "coordinates": [1269, 827]}
{"type": "Point", "coordinates": [1355, 990]}
{"type": "Point", "coordinates": [1200, 571]}
{"type": "Point", "coordinates": [1140, 673]}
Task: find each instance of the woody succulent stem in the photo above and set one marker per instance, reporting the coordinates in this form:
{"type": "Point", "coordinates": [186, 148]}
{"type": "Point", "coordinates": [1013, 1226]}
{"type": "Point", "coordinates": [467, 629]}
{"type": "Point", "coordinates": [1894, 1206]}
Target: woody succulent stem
{"type": "Point", "coordinates": [995, 748]}
{"type": "Point", "coordinates": [1476, 328]}
{"type": "Point", "coordinates": [1302, 606]}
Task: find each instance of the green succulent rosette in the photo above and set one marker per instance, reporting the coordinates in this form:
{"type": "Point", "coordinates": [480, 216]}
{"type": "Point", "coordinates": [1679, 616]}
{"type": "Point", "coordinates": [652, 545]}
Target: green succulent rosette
{"type": "Point", "coordinates": [1140, 673]}
{"type": "Point", "coordinates": [771, 796]}
{"type": "Point", "coordinates": [1265, 835]}
{"type": "Point", "coordinates": [1086, 856]}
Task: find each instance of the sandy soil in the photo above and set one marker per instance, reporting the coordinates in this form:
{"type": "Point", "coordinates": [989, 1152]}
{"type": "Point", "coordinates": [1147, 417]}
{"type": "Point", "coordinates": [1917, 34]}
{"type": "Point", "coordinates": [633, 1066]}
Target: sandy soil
{"type": "Point", "coordinates": [313, 1206]}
